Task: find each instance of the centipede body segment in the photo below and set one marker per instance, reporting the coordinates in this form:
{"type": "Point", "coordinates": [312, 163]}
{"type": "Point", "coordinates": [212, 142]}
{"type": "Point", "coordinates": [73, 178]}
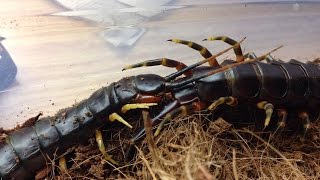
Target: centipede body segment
{"type": "Point", "coordinates": [278, 88]}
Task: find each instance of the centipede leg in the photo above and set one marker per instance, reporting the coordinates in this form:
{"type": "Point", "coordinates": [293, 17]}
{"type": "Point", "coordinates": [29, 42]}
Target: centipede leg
{"type": "Point", "coordinates": [163, 62]}
{"type": "Point", "coordinates": [182, 110]}
{"type": "Point", "coordinates": [304, 116]}
{"type": "Point", "coordinates": [268, 107]}
{"type": "Point", "coordinates": [237, 49]}
{"type": "Point", "coordinates": [317, 61]}
{"type": "Point", "coordinates": [269, 59]}
{"type": "Point", "coordinates": [167, 109]}
{"type": "Point", "coordinates": [102, 147]}
{"type": "Point", "coordinates": [192, 66]}
{"type": "Point", "coordinates": [250, 55]}
{"type": "Point", "coordinates": [283, 115]}
{"type": "Point", "coordinates": [116, 116]}
{"type": "Point", "coordinates": [203, 51]}
{"type": "Point", "coordinates": [174, 63]}
{"type": "Point", "coordinates": [223, 100]}
{"type": "Point", "coordinates": [63, 164]}
{"type": "Point", "coordinates": [128, 107]}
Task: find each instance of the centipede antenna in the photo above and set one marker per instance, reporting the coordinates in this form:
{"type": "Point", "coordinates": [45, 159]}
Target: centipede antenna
{"type": "Point", "coordinates": [182, 83]}
{"type": "Point", "coordinates": [237, 49]}
{"type": "Point", "coordinates": [203, 51]}
{"type": "Point", "coordinates": [178, 73]}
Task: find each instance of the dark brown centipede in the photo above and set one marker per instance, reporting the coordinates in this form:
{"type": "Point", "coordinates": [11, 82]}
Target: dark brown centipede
{"type": "Point", "coordinates": [231, 82]}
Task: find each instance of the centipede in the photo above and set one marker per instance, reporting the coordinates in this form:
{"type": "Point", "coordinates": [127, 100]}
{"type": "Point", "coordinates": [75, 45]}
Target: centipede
{"type": "Point", "coordinates": [273, 86]}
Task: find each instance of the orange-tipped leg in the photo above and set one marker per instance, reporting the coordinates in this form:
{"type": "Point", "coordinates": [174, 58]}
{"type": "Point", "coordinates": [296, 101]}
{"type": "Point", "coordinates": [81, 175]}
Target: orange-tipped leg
{"type": "Point", "coordinates": [306, 123]}
{"type": "Point", "coordinates": [181, 110]}
{"type": "Point", "coordinates": [283, 115]}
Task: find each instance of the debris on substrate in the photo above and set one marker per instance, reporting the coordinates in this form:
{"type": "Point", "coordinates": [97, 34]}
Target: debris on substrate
{"type": "Point", "coordinates": [195, 147]}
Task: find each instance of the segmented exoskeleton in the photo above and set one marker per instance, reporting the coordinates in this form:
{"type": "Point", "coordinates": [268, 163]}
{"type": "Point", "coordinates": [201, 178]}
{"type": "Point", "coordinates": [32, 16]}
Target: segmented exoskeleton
{"type": "Point", "coordinates": [201, 88]}
{"type": "Point", "coordinates": [22, 153]}
{"type": "Point", "coordinates": [23, 150]}
{"type": "Point", "coordinates": [291, 88]}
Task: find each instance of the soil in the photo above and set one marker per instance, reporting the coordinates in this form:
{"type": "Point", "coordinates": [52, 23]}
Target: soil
{"type": "Point", "coordinates": [199, 147]}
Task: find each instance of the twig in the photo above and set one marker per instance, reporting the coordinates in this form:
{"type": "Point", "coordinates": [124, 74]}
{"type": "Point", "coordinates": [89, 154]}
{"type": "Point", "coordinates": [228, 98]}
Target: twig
{"type": "Point", "coordinates": [234, 165]}
{"type": "Point", "coordinates": [295, 170]}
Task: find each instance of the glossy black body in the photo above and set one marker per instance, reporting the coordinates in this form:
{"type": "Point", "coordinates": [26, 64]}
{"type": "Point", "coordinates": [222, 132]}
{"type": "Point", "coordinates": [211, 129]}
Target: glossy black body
{"type": "Point", "coordinates": [22, 155]}
{"type": "Point", "coordinates": [291, 84]}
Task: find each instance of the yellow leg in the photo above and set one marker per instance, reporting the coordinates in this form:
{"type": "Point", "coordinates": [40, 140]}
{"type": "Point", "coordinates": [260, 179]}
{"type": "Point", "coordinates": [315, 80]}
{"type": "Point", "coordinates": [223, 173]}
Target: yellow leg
{"type": "Point", "coordinates": [227, 100]}
{"type": "Point", "coordinates": [102, 147]}
{"type": "Point", "coordinates": [128, 107]}
{"type": "Point", "coordinates": [116, 116]}
{"type": "Point", "coordinates": [268, 107]}
{"type": "Point", "coordinates": [63, 164]}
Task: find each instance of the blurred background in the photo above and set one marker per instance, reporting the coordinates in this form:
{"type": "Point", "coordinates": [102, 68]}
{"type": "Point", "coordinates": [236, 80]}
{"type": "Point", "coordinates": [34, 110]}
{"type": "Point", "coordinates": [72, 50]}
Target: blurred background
{"type": "Point", "coordinates": [66, 49]}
